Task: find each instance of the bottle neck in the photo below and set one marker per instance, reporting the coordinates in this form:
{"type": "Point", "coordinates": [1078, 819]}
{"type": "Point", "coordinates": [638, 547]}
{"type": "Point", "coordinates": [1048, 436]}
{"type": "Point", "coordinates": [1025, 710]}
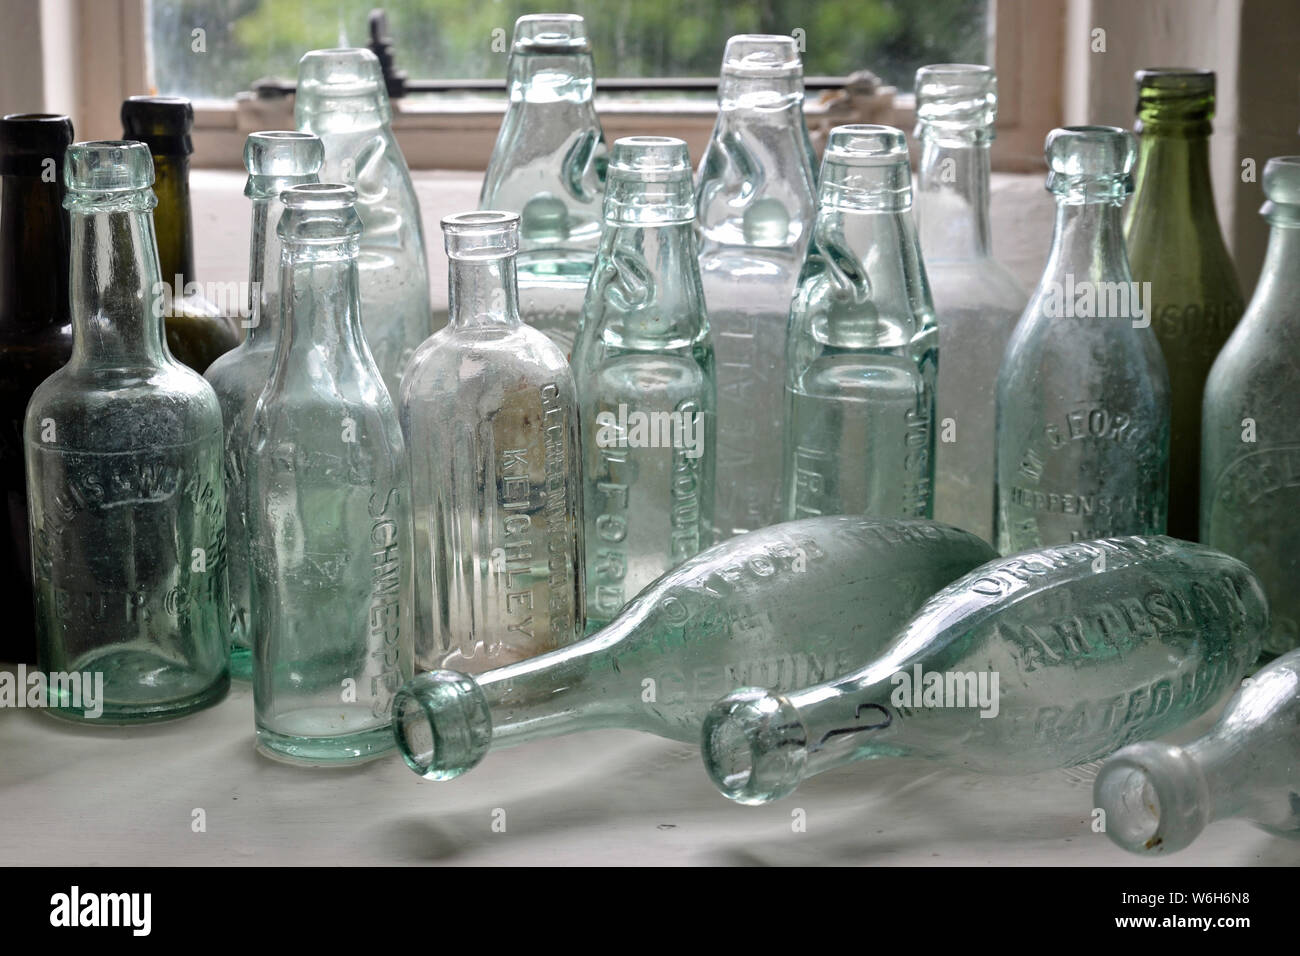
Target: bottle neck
{"type": "Point", "coordinates": [264, 259]}
{"type": "Point", "coordinates": [538, 79]}
{"type": "Point", "coordinates": [173, 221]}
{"type": "Point", "coordinates": [848, 720]}
{"type": "Point", "coordinates": [320, 314]}
{"type": "Point", "coordinates": [1172, 178]}
{"type": "Point", "coordinates": [953, 198]}
{"type": "Point", "coordinates": [651, 297]}
{"type": "Point", "coordinates": [34, 244]}
{"type": "Point", "coordinates": [482, 294]}
{"type": "Point", "coordinates": [1279, 279]}
{"type": "Point", "coordinates": [1087, 244]}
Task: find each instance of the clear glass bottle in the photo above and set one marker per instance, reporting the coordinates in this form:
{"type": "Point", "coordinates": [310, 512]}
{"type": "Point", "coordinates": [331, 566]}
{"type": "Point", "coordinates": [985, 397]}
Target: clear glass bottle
{"type": "Point", "coordinates": [275, 161]}
{"type": "Point", "coordinates": [1083, 395]}
{"type": "Point", "coordinates": [548, 165]}
{"type": "Point", "coordinates": [977, 301]}
{"type": "Point", "coordinates": [785, 605]}
{"type": "Point", "coordinates": [1174, 243]}
{"type": "Point", "coordinates": [1051, 658]}
{"type": "Point", "coordinates": [754, 204]}
{"type": "Point", "coordinates": [1159, 797]}
{"type": "Point", "coordinates": [489, 412]}
{"type": "Point", "coordinates": [643, 364]}
{"type": "Point", "coordinates": [124, 478]}
{"type": "Point", "coordinates": [1250, 462]}
{"type": "Point", "coordinates": [35, 335]}
{"type": "Point", "coordinates": [862, 347]}
{"type": "Point", "coordinates": [341, 98]}
{"type": "Point", "coordinates": [329, 520]}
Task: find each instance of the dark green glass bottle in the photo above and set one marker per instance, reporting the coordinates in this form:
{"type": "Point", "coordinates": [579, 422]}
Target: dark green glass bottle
{"type": "Point", "coordinates": [1174, 242]}
{"type": "Point", "coordinates": [197, 329]}
{"type": "Point", "coordinates": [35, 334]}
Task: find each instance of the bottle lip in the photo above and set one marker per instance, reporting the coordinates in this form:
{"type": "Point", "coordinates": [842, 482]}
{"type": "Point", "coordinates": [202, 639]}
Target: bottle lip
{"type": "Point", "coordinates": [163, 123]}
{"type": "Point", "coordinates": [1090, 163]}
{"type": "Point", "coordinates": [956, 97]}
{"type": "Point", "coordinates": [283, 153]}
{"type": "Point", "coordinates": [481, 234]}
{"type": "Point", "coordinates": [866, 144]}
{"type": "Point", "coordinates": [319, 213]}
{"type": "Point", "coordinates": [39, 135]}
{"type": "Point", "coordinates": [108, 168]}
{"type": "Point", "coordinates": [551, 33]}
{"type": "Point", "coordinates": [1281, 184]}
{"type": "Point", "coordinates": [1176, 79]}
{"type": "Point", "coordinates": [349, 74]}
{"type": "Point", "coordinates": [650, 159]}
{"type": "Point", "coordinates": [760, 55]}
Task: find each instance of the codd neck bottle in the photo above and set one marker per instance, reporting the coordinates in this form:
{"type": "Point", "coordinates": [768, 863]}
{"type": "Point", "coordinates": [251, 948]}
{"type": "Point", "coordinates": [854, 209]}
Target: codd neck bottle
{"type": "Point", "coordinates": [329, 520]}
{"type": "Point", "coordinates": [755, 203]}
{"type": "Point", "coordinates": [1083, 395]}
{"type": "Point", "coordinates": [1250, 464]}
{"type": "Point", "coordinates": [1050, 658]}
{"type": "Point", "coordinates": [124, 479]}
{"type": "Point", "coordinates": [644, 369]}
{"type": "Point", "coordinates": [1174, 243]}
{"type": "Point", "coordinates": [862, 347]}
{"type": "Point", "coordinates": [784, 606]}
{"type": "Point", "coordinates": [548, 165]}
{"type": "Point", "coordinates": [341, 98]}
{"type": "Point", "coordinates": [35, 333]}
{"type": "Point", "coordinates": [977, 301]}
{"type": "Point", "coordinates": [275, 161]}
{"type": "Point", "coordinates": [198, 329]}
{"type": "Point", "coordinates": [489, 413]}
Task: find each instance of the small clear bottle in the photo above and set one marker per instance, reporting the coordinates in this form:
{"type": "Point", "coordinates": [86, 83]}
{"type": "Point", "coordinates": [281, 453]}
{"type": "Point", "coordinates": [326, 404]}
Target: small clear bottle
{"type": "Point", "coordinates": [644, 368]}
{"type": "Point", "coordinates": [548, 165]}
{"type": "Point", "coordinates": [755, 202]}
{"type": "Point", "coordinates": [329, 519]}
{"type": "Point", "coordinates": [275, 161]}
{"type": "Point", "coordinates": [489, 412]}
{"type": "Point", "coordinates": [862, 347]}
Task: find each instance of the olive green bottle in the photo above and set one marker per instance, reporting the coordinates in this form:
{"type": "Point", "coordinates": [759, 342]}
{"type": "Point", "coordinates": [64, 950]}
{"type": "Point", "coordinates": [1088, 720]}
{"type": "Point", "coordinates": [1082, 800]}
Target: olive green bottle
{"type": "Point", "coordinates": [1174, 242]}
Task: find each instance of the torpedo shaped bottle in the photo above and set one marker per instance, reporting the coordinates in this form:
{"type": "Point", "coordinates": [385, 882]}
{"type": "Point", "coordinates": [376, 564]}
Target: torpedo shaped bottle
{"type": "Point", "coordinates": [783, 605]}
{"type": "Point", "coordinates": [1050, 658]}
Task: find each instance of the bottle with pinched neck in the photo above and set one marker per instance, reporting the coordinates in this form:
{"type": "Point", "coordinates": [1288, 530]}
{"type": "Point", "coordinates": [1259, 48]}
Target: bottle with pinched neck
{"type": "Point", "coordinates": [275, 160]}
{"type": "Point", "coordinates": [755, 203]}
{"type": "Point", "coordinates": [548, 165]}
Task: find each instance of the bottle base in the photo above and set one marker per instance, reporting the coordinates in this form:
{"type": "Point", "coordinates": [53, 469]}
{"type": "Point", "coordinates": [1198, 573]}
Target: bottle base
{"type": "Point", "coordinates": [127, 714]}
{"type": "Point", "coordinates": [344, 750]}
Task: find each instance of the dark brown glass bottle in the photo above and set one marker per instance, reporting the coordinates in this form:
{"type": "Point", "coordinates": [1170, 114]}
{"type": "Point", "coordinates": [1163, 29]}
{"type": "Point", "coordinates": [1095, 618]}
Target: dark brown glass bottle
{"type": "Point", "coordinates": [35, 334]}
{"type": "Point", "coordinates": [197, 330]}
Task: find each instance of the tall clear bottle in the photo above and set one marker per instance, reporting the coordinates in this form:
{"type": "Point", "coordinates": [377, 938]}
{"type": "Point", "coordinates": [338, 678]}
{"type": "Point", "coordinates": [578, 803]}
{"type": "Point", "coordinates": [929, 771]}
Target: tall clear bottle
{"type": "Point", "coordinates": [643, 363]}
{"type": "Point", "coordinates": [548, 165]}
{"type": "Point", "coordinates": [275, 161]}
{"type": "Point", "coordinates": [977, 301]}
{"type": "Point", "coordinates": [329, 518]}
{"type": "Point", "coordinates": [341, 98]}
{"type": "Point", "coordinates": [1250, 461]}
{"type": "Point", "coordinates": [862, 348]}
{"type": "Point", "coordinates": [489, 411]}
{"type": "Point", "coordinates": [754, 205]}
{"type": "Point", "coordinates": [124, 477]}
{"type": "Point", "coordinates": [1083, 395]}
{"type": "Point", "coordinates": [1174, 242]}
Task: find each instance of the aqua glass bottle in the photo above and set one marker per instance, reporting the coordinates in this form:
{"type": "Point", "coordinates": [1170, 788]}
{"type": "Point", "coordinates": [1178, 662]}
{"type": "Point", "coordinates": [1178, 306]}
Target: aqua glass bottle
{"type": "Point", "coordinates": [784, 606]}
{"type": "Point", "coordinates": [862, 348]}
{"type": "Point", "coordinates": [1250, 459]}
{"type": "Point", "coordinates": [644, 369]}
{"type": "Point", "coordinates": [489, 412]}
{"type": "Point", "coordinates": [1083, 395]}
{"type": "Point", "coordinates": [1158, 797]}
{"type": "Point", "coordinates": [977, 301]}
{"type": "Point", "coordinates": [754, 204]}
{"type": "Point", "coordinates": [124, 477]}
{"type": "Point", "coordinates": [1052, 658]}
{"type": "Point", "coordinates": [1174, 242]}
{"type": "Point", "coordinates": [341, 98]}
{"type": "Point", "coordinates": [329, 520]}
{"type": "Point", "coordinates": [275, 161]}
{"type": "Point", "coordinates": [548, 165]}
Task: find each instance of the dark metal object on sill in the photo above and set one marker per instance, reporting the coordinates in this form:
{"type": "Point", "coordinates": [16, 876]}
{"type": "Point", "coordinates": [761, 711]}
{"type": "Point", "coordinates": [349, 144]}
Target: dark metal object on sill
{"type": "Point", "coordinates": [381, 45]}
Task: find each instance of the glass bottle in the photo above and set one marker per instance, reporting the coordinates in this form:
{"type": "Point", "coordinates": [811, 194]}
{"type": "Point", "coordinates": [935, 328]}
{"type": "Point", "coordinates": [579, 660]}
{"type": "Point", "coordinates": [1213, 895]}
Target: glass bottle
{"type": "Point", "coordinates": [341, 98]}
{"type": "Point", "coordinates": [1250, 463]}
{"type": "Point", "coordinates": [755, 203]}
{"type": "Point", "coordinates": [1050, 658]}
{"type": "Point", "coordinates": [977, 301]}
{"type": "Point", "coordinates": [1082, 395]}
{"type": "Point", "coordinates": [124, 481]}
{"type": "Point", "coordinates": [35, 334]}
{"type": "Point", "coordinates": [785, 605]}
{"type": "Point", "coordinates": [548, 165]}
{"type": "Point", "coordinates": [198, 329]}
{"type": "Point", "coordinates": [1174, 243]}
{"type": "Point", "coordinates": [862, 348]}
{"type": "Point", "coordinates": [275, 161]}
{"type": "Point", "coordinates": [1159, 797]}
{"type": "Point", "coordinates": [329, 521]}
{"type": "Point", "coordinates": [643, 364]}
{"type": "Point", "coordinates": [489, 412]}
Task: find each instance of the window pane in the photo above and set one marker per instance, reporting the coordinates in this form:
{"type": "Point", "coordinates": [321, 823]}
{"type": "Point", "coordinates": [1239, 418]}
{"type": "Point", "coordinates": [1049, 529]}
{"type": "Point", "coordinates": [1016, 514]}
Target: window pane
{"type": "Point", "coordinates": [243, 40]}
